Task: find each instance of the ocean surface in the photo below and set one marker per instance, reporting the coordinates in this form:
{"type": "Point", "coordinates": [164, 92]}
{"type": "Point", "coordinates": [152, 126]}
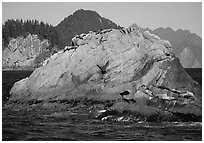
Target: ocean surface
{"type": "Point", "coordinates": [50, 126]}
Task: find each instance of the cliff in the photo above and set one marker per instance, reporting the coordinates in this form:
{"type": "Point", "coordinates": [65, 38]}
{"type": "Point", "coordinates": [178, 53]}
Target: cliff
{"type": "Point", "coordinates": [114, 74]}
{"type": "Point", "coordinates": [184, 44]}
{"type": "Point", "coordinates": [22, 53]}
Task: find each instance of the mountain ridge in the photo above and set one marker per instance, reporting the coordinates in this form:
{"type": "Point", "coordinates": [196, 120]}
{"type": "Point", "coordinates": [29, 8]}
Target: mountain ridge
{"type": "Point", "coordinates": [83, 21]}
{"type": "Point", "coordinates": [180, 39]}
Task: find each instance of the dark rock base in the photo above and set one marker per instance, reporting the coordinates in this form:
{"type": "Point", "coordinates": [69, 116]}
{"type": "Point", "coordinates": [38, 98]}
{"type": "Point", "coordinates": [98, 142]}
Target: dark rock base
{"type": "Point", "coordinates": [105, 111]}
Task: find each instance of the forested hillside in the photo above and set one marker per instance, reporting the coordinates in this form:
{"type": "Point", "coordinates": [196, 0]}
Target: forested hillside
{"type": "Point", "coordinates": [82, 21]}
{"type": "Point", "coordinates": [19, 28]}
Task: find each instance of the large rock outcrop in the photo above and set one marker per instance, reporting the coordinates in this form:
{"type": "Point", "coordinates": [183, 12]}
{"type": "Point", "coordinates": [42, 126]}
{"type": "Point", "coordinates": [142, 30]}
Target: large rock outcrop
{"type": "Point", "coordinates": [124, 72]}
{"type": "Point", "coordinates": [21, 52]}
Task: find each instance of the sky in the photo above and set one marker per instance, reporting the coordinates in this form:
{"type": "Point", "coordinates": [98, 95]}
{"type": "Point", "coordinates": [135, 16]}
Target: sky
{"type": "Point", "coordinates": [177, 15]}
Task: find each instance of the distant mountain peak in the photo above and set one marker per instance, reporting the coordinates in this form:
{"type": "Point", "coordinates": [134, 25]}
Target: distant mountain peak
{"type": "Point", "coordinates": [186, 45]}
{"type": "Point", "coordinates": [82, 21]}
{"type": "Point", "coordinates": [161, 29]}
{"type": "Point", "coordinates": [188, 59]}
{"type": "Point", "coordinates": [179, 30]}
{"type": "Point", "coordinates": [85, 11]}
{"type": "Point", "coordinates": [169, 28]}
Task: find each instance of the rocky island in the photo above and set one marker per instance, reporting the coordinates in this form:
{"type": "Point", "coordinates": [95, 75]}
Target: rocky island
{"type": "Point", "coordinates": [115, 75]}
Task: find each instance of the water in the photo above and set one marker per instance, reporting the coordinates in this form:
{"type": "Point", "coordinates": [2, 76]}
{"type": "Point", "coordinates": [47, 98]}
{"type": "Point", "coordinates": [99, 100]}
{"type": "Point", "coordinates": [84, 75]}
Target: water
{"type": "Point", "coordinates": [32, 125]}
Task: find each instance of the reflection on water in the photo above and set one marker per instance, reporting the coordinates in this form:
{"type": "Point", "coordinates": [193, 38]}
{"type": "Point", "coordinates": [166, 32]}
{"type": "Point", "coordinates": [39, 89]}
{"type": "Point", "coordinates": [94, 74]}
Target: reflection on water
{"type": "Point", "coordinates": [78, 126]}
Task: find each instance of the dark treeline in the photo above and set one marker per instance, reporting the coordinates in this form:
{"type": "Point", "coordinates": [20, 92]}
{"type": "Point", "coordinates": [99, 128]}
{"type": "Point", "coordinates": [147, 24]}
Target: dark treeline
{"type": "Point", "coordinates": [15, 28]}
{"type": "Point", "coordinates": [61, 35]}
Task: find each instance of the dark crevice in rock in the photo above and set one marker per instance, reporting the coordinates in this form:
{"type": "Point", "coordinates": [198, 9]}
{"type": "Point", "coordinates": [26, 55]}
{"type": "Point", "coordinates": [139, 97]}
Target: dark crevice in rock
{"type": "Point", "coordinates": [140, 73]}
{"type": "Point", "coordinates": [160, 76]}
{"type": "Point", "coordinates": [15, 50]}
{"type": "Point", "coordinates": [79, 37]}
{"type": "Point", "coordinates": [125, 97]}
{"type": "Point", "coordinates": [70, 48]}
{"type": "Point", "coordinates": [167, 54]}
{"type": "Point", "coordinates": [29, 93]}
{"type": "Point", "coordinates": [130, 29]}
{"type": "Point", "coordinates": [73, 43]}
{"type": "Point", "coordinates": [31, 102]}
{"type": "Point", "coordinates": [122, 31]}
{"type": "Point", "coordinates": [103, 68]}
{"type": "Point", "coordinates": [124, 93]}
{"type": "Point", "coordinates": [166, 88]}
{"type": "Point", "coordinates": [130, 101]}
{"type": "Point", "coordinates": [188, 97]}
{"type": "Point", "coordinates": [106, 31]}
{"type": "Point", "coordinates": [101, 40]}
{"type": "Point", "coordinates": [62, 75]}
{"type": "Point", "coordinates": [162, 59]}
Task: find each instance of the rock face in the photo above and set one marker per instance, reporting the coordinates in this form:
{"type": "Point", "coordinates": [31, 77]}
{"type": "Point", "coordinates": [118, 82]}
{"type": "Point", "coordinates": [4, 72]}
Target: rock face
{"type": "Point", "coordinates": [21, 52]}
{"type": "Point", "coordinates": [183, 43]}
{"type": "Point", "coordinates": [124, 71]}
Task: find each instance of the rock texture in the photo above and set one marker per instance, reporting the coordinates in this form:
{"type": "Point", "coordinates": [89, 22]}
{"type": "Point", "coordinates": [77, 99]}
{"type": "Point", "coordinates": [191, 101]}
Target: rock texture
{"type": "Point", "coordinates": [124, 72]}
{"type": "Point", "coordinates": [22, 52]}
{"type": "Point", "coordinates": [183, 43]}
